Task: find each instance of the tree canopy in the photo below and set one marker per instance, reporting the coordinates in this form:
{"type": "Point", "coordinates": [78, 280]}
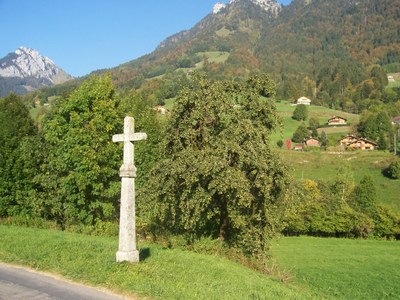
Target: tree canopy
{"type": "Point", "coordinates": [16, 127]}
{"type": "Point", "coordinates": [79, 177]}
{"type": "Point", "coordinates": [218, 176]}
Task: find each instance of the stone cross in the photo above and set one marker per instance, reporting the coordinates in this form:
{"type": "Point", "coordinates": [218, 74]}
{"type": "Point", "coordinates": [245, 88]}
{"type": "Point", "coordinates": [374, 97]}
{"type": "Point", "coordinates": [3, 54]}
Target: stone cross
{"type": "Point", "coordinates": [127, 228]}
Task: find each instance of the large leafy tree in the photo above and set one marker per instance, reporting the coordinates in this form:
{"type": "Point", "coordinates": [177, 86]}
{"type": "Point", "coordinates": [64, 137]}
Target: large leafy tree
{"type": "Point", "coordinates": [79, 177]}
{"type": "Point", "coordinates": [16, 126]}
{"type": "Point", "coordinates": [218, 176]}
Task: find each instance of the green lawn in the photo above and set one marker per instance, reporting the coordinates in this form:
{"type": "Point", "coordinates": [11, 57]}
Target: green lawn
{"type": "Point", "coordinates": [315, 268]}
{"type": "Point", "coordinates": [342, 268]}
{"type": "Point", "coordinates": [162, 274]}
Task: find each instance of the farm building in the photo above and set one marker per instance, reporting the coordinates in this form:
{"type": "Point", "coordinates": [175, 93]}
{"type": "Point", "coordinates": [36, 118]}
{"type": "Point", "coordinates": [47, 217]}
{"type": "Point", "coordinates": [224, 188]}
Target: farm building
{"type": "Point", "coordinates": [298, 146]}
{"type": "Point", "coordinates": [303, 100]}
{"type": "Point", "coordinates": [353, 142]}
{"type": "Point", "coordinates": [348, 140]}
{"type": "Point", "coordinates": [336, 120]}
{"type": "Point", "coordinates": [363, 144]}
{"type": "Point", "coordinates": [312, 142]}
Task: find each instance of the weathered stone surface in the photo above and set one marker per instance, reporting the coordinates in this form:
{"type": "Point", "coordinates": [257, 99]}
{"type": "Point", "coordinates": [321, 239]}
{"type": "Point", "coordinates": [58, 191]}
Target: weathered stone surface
{"type": "Point", "coordinates": [127, 225]}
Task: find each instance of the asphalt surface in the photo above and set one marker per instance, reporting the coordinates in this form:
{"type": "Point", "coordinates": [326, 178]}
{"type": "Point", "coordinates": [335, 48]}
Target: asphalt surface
{"type": "Point", "coordinates": [22, 284]}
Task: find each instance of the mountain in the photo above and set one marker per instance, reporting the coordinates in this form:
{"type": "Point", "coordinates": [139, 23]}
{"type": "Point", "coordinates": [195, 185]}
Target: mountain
{"type": "Point", "coordinates": [337, 53]}
{"type": "Point", "coordinates": [26, 70]}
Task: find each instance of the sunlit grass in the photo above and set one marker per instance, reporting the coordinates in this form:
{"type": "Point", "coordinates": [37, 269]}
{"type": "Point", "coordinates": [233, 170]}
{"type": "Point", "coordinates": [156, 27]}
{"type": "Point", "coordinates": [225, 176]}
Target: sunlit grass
{"type": "Point", "coordinates": [342, 268]}
{"type": "Point", "coordinates": [163, 273]}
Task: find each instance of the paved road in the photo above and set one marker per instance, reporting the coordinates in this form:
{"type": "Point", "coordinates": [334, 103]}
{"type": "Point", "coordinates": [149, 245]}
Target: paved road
{"type": "Point", "coordinates": [22, 284]}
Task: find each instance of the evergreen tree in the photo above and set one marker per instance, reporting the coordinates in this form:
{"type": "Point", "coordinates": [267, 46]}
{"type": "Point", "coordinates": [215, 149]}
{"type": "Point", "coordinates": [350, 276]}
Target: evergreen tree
{"type": "Point", "coordinates": [300, 134]}
{"type": "Point", "coordinates": [300, 113]}
{"type": "Point", "coordinates": [324, 139]}
{"type": "Point", "coordinates": [313, 123]}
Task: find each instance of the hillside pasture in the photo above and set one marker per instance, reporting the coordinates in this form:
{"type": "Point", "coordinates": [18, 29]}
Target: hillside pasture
{"type": "Point", "coordinates": [342, 268]}
{"type": "Point", "coordinates": [323, 114]}
{"type": "Point", "coordinates": [324, 165]}
{"type": "Point", "coordinates": [218, 57]}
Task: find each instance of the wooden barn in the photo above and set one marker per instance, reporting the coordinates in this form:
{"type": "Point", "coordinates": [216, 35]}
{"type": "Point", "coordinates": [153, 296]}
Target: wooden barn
{"type": "Point", "coordinates": [336, 120]}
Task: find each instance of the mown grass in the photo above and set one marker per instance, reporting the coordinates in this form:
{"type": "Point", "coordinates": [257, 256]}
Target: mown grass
{"type": "Point", "coordinates": [323, 165]}
{"type": "Point", "coordinates": [162, 274]}
{"type": "Point", "coordinates": [342, 268]}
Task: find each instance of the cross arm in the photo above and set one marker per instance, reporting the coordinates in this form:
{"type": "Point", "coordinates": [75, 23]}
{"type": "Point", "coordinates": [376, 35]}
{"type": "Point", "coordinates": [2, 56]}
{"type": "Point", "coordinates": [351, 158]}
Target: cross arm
{"type": "Point", "coordinates": [129, 137]}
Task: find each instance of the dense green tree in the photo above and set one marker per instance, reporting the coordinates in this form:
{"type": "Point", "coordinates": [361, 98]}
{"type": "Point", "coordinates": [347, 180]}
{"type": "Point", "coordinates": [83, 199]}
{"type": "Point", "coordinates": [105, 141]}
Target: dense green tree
{"type": "Point", "coordinates": [393, 171]}
{"type": "Point", "coordinates": [313, 123]}
{"type": "Point", "coordinates": [343, 185]}
{"type": "Point", "coordinates": [300, 113]}
{"type": "Point", "coordinates": [300, 133]}
{"type": "Point", "coordinates": [218, 175]}
{"type": "Point", "coordinates": [376, 125]}
{"type": "Point", "coordinates": [146, 120]}
{"type": "Point", "coordinates": [79, 180]}
{"type": "Point", "coordinates": [324, 139]}
{"type": "Point", "coordinates": [364, 196]}
{"type": "Point", "coordinates": [16, 127]}
{"type": "Point", "coordinates": [263, 84]}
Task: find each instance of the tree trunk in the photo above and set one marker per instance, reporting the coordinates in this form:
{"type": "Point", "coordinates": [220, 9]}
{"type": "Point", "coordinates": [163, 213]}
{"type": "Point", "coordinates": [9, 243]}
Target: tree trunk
{"type": "Point", "coordinates": [223, 221]}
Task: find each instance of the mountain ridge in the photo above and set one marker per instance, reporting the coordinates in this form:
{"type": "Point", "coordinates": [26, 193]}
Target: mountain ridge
{"type": "Point", "coordinates": [26, 69]}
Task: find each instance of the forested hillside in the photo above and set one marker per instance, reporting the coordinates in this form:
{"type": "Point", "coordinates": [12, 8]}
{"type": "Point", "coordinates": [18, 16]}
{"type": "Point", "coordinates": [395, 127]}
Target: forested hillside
{"type": "Point", "coordinates": [336, 52]}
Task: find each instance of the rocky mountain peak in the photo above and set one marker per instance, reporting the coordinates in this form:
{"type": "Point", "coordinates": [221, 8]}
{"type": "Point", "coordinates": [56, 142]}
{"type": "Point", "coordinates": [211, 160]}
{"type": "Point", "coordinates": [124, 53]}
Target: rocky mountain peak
{"type": "Point", "coordinates": [26, 62]}
{"type": "Point", "coordinates": [26, 69]}
{"type": "Point", "coordinates": [267, 5]}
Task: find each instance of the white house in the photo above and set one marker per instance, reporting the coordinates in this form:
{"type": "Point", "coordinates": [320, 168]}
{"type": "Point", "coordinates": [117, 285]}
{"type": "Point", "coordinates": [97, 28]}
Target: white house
{"type": "Point", "coordinates": [303, 100]}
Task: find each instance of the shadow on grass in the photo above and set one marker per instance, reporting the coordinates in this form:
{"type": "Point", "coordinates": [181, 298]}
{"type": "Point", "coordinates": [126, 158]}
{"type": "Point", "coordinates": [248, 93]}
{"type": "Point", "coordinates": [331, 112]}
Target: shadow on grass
{"type": "Point", "coordinates": [144, 254]}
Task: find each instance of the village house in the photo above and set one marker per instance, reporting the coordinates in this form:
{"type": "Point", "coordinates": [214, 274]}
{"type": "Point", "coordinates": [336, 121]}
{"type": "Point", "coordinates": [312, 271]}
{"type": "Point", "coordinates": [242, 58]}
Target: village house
{"type": "Point", "coordinates": [161, 109]}
{"type": "Point", "coordinates": [391, 78]}
{"type": "Point", "coordinates": [347, 140]}
{"type": "Point", "coordinates": [336, 120]}
{"type": "Point", "coordinates": [298, 146]}
{"type": "Point", "coordinates": [303, 100]}
{"type": "Point", "coordinates": [363, 144]}
{"type": "Point", "coordinates": [357, 143]}
{"type": "Point", "coordinates": [312, 142]}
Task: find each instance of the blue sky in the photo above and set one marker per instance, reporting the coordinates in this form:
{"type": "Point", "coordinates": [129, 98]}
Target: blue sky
{"type": "Point", "coordinates": [81, 36]}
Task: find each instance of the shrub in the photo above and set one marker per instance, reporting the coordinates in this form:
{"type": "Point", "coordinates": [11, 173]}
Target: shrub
{"type": "Point", "coordinates": [393, 171]}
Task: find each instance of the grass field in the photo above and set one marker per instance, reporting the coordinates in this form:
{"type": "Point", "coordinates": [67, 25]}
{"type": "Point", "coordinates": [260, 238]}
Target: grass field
{"type": "Point", "coordinates": [317, 268]}
{"type": "Point", "coordinates": [162, 274]}
{"type": "Point", "coordinates": [324, 165]}
{"type": "Point", "coordinates": [342, 268]}
{"type": "Point", "coordinates": [218, 57]}
{"type": "Point", "coordinates": [285, 111]}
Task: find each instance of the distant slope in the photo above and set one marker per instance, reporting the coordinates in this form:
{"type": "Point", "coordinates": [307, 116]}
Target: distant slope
{"type": "Point", "coordinates": [334, 52]}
